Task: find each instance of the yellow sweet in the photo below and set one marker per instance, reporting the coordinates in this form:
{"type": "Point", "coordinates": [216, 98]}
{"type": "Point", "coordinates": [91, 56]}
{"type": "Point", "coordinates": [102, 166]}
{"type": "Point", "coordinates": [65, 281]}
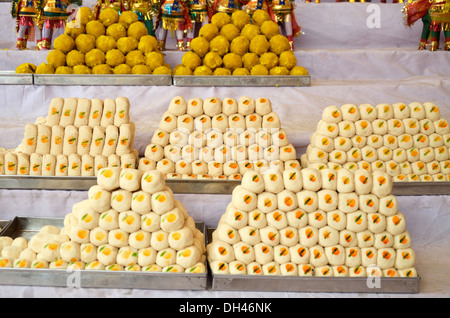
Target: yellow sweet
{"type": "Point", "coordinates": [182, 70]}
{"type": "Point", "coordinates": [45, 68]}
{"type": "Point", "coordinates": [115, 57]}
{"type": "Point", "coordinates": [232, 61]}
{"type": "Point", "coordinates": [102, 69]}
{"type": "Point", "coordinates": [127, 44]}
{"type": "Point", "coordinates": [63, 70]}
{"type": "Point", "coordinates": [287, 59]}
{"type": "Point", "coordinates": [147, 44]}
{"type": "Point", "coordinates": [74, 57]}
{"type": "Point", "coordinates": [135, 57]}
{"type": "Point", "coordinates": [270, 29]}
{"type": "Point", "coordinates": [137, 30]}
{"type": "Point", "coordinates": [259, 70]}
{"type": "Point", "coordinates": [154, 59]}
{"type": "Point", "coordinates": [127, 18]}
{"type": "Point", "coordinates": [209, 31]}
{"type": "Point", "coordinates": [241, 71]}
{"type": "Point", "coordinates": [95, 28]}
{"type": "Point", "coordinates": [250, 31]}
{"type": "Point", "coordinates": [260, 16]}
{"type": "Point", "coordinates": [200, 46]}
{"type": "Point", "coordinates": [162, 70]}
{"type": "Point", "coordinates": [299, 70]}
{"type": "Point", "coordinates": [279, 70]}
{"type": "Point", "coordinates": [220, 19]}
{"type": "Point", "coordinates": [191, 59]}
{"type": "Point", "coordinates": [56, 58]}
{"type": "Point", "coordinates": [212, 60]}
{"type": "Point", "coordinates": [239, 45]}
{"type": "Point", "coordinates": [203, 70]}
{"type": "Point", "coordinates": [85, 42]}
{"type": "Point", "coordinates": [84, 15]}
{"type": "Point", "coordinates": [250, 60]}
{"type": "Point", "coordinates": [230, 31]}
{"type": "Point", "coordinates": [269, 60]}
{"type": "Point", "coordinates": [219, 44]}
{"type": "Point", "coordinates": [116, 30]}
{"type": "Point", "coordinates": [221, 71]}
{"type": "Point", "coordinates": [105, 43]}
{"type": "Point", "coordinates": [108, 16]}
{"type": "Point", "coordinates": [240, 18]}
{"type": "Point", "coordinates": [259, 44]}
{"type": "Point", "coordinates": [279, 43]}
{"type": "Point", "coordinates": [94, 57]}
{"type": "Point", "coordinates": [81, 69]}
{"type": "Point", "coordinates": [64, 42]}
{"type": "Point", "coordinates": [73, 31]}
{"type": "Point", "coordinates": [122, 69]}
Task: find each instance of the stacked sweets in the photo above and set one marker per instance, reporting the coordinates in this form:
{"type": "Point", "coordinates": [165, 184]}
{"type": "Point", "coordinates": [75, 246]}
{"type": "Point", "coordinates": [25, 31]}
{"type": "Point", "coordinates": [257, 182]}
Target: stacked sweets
{"type": "Point", "coordinates": [219, 139]}
{"type": "Point", "coordinates": [408, 142]}
{"type": "Point", "coordinates": [313, 223]}
{"type": "Point", "coordinates": [130, 221]}
{"type": "Point", "coordinates": [77, 138]}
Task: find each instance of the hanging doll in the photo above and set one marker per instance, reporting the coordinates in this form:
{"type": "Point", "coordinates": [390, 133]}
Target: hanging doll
{"type": "Point", "coordinates": [199, 14]}
{"type": "Point", "coordinates": [104, 4]}
{"type": "Point", "coordinates": [174, 16]}
{"type": "Point", "coordinates": [26, 13]}
{"type": "Point", "coordinates": [227, 6]}
{"type": "Point", "coordinates": [251, 6]}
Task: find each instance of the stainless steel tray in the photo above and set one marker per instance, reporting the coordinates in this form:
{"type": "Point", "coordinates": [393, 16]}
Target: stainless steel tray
{"type": "Point", "coordinates": [11, 78]}
{"type": "Point", "coordinates": [421, 188]}
{"type": "Point", "coordinates": [103, 80]}
{"type": "Point", "coordinates": [3, 224]}
{"type": "Point", "coordinates": [27, 227]}
{"type": "Point", "coordinates": [254, 81]}
{"type": "Point", "coordinates": [401, 285]}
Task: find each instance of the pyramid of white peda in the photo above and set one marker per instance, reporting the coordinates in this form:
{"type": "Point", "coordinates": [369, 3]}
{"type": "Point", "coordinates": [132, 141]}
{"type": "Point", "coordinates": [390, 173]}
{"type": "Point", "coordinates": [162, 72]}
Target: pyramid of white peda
{"type": "Point", "coordinates": [218, 139]}
{"type": "Point", "coordinates": [77, 138]}
{"type": "Point", "coordinates": [313, 223]}
{"type": "Point", "coordinates": [130, 221]}
{"type": "Point", "coordinates": [409, 142]}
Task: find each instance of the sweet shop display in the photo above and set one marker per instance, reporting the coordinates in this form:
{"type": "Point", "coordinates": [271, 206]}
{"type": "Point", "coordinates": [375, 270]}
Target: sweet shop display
{"type": "Point", "coordinates": [129, 222]}
{"type": "Point", "coordinates": [313, 223]}
{"type": "Point", "coordinates": [113, 44]}
{"type": "Point", "coordinates": [218, 138]}
{"type": "Point", "coordinates": [77, 138]}
{"type": "Point", "coordinates": [237, 45]}
{"type": "Point", "coordinates": [408, 142]}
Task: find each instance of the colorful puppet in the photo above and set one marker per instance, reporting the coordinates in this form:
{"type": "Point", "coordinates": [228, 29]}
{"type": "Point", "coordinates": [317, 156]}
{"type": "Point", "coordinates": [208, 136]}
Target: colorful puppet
{"type": "Point", "coordinates": [282, 12]}
{"type": "Point", "coordinates": [26, 13]}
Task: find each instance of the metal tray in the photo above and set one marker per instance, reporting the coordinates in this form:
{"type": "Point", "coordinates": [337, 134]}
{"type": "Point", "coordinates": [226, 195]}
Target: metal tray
{"type": "Point", "coordinates": [102, 80]}
{"type": "Point", "coordinates": [253, 81]}
{"type": "Point", "coordinates": [403, 285]}
{"type": "Point", "coordinates": [27, 227]}
{"type": "Point", "coordinates": [11, 78]}
{"type": "Point", "coordinates": [191, 186]}
{"type": "Point", "coordinates": [3, 224]}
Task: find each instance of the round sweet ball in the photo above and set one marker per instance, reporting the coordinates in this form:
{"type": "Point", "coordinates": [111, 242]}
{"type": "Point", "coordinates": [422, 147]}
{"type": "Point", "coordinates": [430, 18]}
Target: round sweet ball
{"type": "Point", "coordinates": [81, 69]}
{"type": "Point", "coordinates": [239, 45]}
{"type": "Point", "coordinates": [102, 69]}
{"type": "Point", "coordinates": [64, 70]}
{"type": "Point", "coordinates": [250, 31]}
{"type": "Point", "coordinates": [26, 68]}
{"type": "Point", "coordinates": [141, 69]}
{"type": "Point", "coordinates": [260, 16]}
{"type": "Point", "coordinates": [209, 31]}
{"type": "Point", "coordinates": [240, 18]}
{"type": "Point", "coordinates": [279, 43]}
{"type": "Point", "coordinates": [279, 70]}
{"type": "Point", "coordinates": [259, 44]}
{"type": "Point", "coordinates": [73, 31]}
{"type": "Point", "coordinates": [127, 44]}
{"type": "Point", "coordinates": [64, 42]}
{"type": "Point", "coordinates": [230, 31]}
{"type": "Point", "coordinates": [220, 19]}
{"type": "Point", "coordinates": [127, 18]}
{"type": "Point", "coordinates": [250, 60]}
{"type": "Point", "coordinates": [147, 44]}
{"type": "Point", "coordinates": [84, 15]}
{"type": "Point", "coordinates": [213, 60]}
{"type": "Point", "coordinates": [137, 30]}
{"type": "Point", "coordinates": [203, 70]}
{"type": "Point", "coordinates": [117, 31]}
{"type": "Point", "coordinates": [95, 28]}
{"type": "Point", "coordinates": [45, 68]}
{"type": "Point", "coordinates": [288, 60]}
{"type": "Point", "coordinates": [108, 16]}
{"type": "Point", "coordinates": [221, 71]}
{"type": "Point", "coordinates": [85, 42]}
{"type": "Point", "coordinates": [74, 57]}
{"type": "Point", "coordinates": [232, 61]}
{"type": "Point", "coordinates": [270, 29]}
{"type": "Point", "coordinates": [200, 45]}
{"type": "Point", "coordinates": [182, 70]}
{"type": "Point", "coordinates": [154, 59]}
{"type": "Point", "coordinates": [240, 71]}
{"type": "Point", "coordinates": [162, 70]}
{"type": "Point", "coordinates": [269, 60]}
{"type": "Point", "coordinates": [219, 44]}
{"type": "Point", "coordinates": [191, 59]}
{"type": "Point", "coordinates": [122, 69]}
{"type": "Point", "coordinates": [105, 43]}
{"type": "Point", "coordinates": [135, 57]}
{"type": "Point", "coordinates": [94, 57]}
{"type": "Point", "coordinates": [299, 71]}
{"type": "Point", "coordinates": [259, 70]}
{"type": "Point", "coordinates": [55, 58]}
{"type": "Point", "coordinates": [115, 57]}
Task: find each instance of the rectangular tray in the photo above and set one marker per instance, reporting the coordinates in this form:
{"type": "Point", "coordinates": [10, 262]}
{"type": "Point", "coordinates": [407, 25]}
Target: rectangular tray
{"type": "Point", "coordinates": [103, 80]}
{"type": "Point", "coordinates": [191, 186]}
{"type": "Point", "coordinates": [3, 224]}
{"type": "Point", "coordinates": [11, 78]}
{"type": "Point", "coordinates": [29, 226]}
{"type": "Point", "coordinates": [253, 81]}
{"type": "Point", "coordinates": [400, 285]}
